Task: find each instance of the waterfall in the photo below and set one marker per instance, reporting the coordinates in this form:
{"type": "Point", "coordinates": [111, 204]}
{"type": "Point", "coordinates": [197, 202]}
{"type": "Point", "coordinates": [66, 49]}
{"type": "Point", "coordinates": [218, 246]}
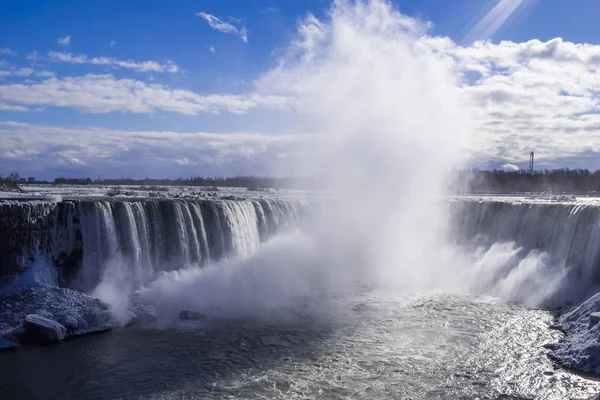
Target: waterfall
{"type": "Point", "coordinates": [568, 232]}
{"type": "Point", "coordinates": [135, 240]}
{"type": "Point", "coordinates": [505, 244]}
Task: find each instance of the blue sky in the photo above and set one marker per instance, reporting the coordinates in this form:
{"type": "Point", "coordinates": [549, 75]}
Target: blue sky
{"type": "Point", "coordinates": [105, 50]}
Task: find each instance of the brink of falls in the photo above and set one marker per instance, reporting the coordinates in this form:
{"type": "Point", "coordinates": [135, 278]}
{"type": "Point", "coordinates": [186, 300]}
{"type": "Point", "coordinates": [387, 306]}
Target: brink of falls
{"type": "Point", "coordinates": [145, 236]}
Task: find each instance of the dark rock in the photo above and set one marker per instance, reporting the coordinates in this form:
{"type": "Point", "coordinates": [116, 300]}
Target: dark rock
{"type": "Point", "coordinates": [594, 318]}
{"type": "Point", "coordinates": [78, 313]}
{"type": "Point", "coordinates": [192, 315]}
{"type": "Point", "coordinates": [555, 327]}
{"type": "Point", "coordinates": [28, 228]}
{"type": "Point", "coordinates": [43, 330]}
{"type": "Point", "coordinates": [550, 346]}
{"type": "Point", "coordinates": [68, 321]}
{"type": "Point", "coordinates": [548, 373]}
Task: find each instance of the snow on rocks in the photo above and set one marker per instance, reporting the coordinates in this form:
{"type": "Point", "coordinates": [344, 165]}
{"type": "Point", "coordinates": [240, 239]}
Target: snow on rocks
{"type": "Point", "coordinates": [48, 314]}
{"type": "Point", "coordinates": [594, 318]}
{"type": "Point", "coordinates": [42, 330]}
{"type": "Point", "coordinates": [580, 348]}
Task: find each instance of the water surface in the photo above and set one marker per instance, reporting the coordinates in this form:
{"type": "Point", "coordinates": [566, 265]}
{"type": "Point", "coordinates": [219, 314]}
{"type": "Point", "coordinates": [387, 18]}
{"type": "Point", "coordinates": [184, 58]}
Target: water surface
{"type": "Point", "coordinates": [374, 345]}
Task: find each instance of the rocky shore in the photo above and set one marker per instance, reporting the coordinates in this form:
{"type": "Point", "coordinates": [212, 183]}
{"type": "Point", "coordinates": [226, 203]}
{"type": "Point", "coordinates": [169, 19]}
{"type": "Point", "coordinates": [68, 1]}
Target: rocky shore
{"type": "Point", "coordinates": [579, 349]}
{"type": "Point", "coordinates": [44, 314]}
{"type": "Point", "coordinates": [40, 314]}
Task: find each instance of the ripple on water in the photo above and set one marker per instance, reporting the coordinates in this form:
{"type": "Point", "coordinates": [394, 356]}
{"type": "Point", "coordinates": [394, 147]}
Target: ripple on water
{"type": "Point", "coordinates": [375, 346]}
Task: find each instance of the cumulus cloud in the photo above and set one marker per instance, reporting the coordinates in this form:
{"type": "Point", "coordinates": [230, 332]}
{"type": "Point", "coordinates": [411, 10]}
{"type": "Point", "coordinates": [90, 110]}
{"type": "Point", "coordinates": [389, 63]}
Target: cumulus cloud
{"type": "Point", "coordinates": [66, 41]}
{"type": "Point", "coordinates": [16, 72]}
{"type": "Point", "coordinates": [521, 97]}
{"type": "Point", "coordinates": [8, 52]}
{"type": "Point", "coordinates": [540, 96]}
{"type": "Point", "coordinates": [143, 66]}
{"type": "Point", "coordinates": [11, 107]}
{"type": "Point", "coordinates": [33, 56]}
{"type": "Point", "coordinates": [48, 151]}
{"type": "Point", "coordinates": [225, 27]}
{"type": "Point", "coordinates": [105, 93]}
{"type": "Point", "coordinates": [45, 74]}
{"type": "Point", "coordinates": [510, 167]}
{"type": "Point", "coordinates": [534, 95]}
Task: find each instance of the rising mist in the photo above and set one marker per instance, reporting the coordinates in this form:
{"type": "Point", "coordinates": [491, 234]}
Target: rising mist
{"type": "Point", "coordinates": [390, 126]}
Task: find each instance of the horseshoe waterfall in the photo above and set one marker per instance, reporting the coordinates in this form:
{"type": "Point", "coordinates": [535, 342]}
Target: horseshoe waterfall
{"type": "Point", "coordinates": [81, 238]}
{"type": "Point", "coordinates": [269, 273]}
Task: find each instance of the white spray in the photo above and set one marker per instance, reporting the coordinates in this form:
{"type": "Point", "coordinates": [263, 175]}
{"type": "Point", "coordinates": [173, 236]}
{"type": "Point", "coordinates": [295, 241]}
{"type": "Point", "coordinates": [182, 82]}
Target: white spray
{"type": "Point", "coordinates": [389, 125]}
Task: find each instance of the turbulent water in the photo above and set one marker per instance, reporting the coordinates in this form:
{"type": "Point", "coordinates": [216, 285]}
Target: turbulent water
{"type": "Point", "coordinates": [371, 345]}
{"type": "Point", "coordinates": [268, 333]}
{"type": "Point", "coordinates": [537, 251]}
{"type": "Point", "coordinates": [382, 293]}
{"type": "Point", "coordinates": [569, 231]}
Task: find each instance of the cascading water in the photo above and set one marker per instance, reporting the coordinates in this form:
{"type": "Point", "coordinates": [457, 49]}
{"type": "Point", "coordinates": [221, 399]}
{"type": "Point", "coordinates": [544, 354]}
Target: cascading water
{"type": "Point", "coordinates": [388, 112]}
{"type": "Point", "coordinates": [539, 252]}
{"type": "Point", "coordinates": [569, 231]}
{"type": "Point", "coordinates": [135, 240]}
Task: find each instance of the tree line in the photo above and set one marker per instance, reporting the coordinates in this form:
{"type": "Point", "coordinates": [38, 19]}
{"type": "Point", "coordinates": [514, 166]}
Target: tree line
{"type": "Point", "coordinates": [250, 182]}
{"type": "Point", "coordinates": [500, 181]}
{"type": "Point", "coordinates": [460, 181]}
{"type": "Point", "coordinates": [10, 183]}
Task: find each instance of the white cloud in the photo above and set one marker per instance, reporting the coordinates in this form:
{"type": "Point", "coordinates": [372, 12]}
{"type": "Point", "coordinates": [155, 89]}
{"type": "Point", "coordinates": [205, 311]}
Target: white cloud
{"type": "Point", "coordinates": [7, 51]}
{"type": "Point", "coordinates": [66, 41]}
{"type": "Point", "coordinates": [540, 96]}
{"type": "Point", "coordinates": [211, 49]}
{"type": "Point", "coordinates": [105, 93]}
{"type": "Point", "coordinates": [270, 10]}
{"type": "Point", "coordinates": [113, 43]}
{"type": "Point", "coordinates": [225, 27]}
{"type": "Point", "coordinates": [52, 151]}
{"type": "Point", "coordinates": [520, 97]}
{"type": "Point", "coordinates": [142, 66]}
{"type": "Point", "coordinates": [33, 56]}
{"type": "Point", "coordinates": [45, 74]}
{"type": "Point", "coordinates": [11, 107]}
{"type": "Point", "coordinates": [16, 72]}
{"type": "Point", "coordinates": [510, 167]}
{"type": "Point", "coordinates": [534, 95]}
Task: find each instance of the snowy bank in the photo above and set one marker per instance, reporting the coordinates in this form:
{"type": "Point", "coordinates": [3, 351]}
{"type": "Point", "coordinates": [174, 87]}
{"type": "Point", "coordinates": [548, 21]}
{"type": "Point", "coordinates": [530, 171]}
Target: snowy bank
{"type": "Point", "coordinates": [31, 313]}
{"type": "Point", "coordinates": [580, 348]}
{"type": "Point", "coordinates": [40, 313]}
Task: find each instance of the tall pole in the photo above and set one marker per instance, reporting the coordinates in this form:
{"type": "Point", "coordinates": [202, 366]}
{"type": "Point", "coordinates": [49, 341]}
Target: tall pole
{"type": "Point", "coordinates": [531, 163]}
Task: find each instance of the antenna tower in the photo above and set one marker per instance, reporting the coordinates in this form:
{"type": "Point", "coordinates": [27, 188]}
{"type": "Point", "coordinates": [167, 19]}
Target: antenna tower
{"type": "Point", "coordinates": [531, 163]}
